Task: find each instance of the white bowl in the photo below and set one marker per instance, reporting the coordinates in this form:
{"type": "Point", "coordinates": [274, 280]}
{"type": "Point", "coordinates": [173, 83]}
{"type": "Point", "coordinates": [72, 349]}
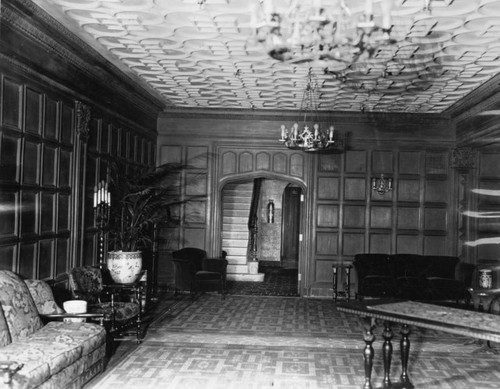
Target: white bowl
{"type": "Point", "coordinates": [75, 306]}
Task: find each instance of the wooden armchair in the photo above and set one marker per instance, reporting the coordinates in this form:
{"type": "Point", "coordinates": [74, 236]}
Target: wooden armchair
{"type": "Point", "coordinates": [195, 273]}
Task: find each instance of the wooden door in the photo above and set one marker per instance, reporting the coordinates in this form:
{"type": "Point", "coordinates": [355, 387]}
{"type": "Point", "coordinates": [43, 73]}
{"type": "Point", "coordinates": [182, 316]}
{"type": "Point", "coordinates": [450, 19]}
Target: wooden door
{"type": "Point", "coordinates": [291, 227]}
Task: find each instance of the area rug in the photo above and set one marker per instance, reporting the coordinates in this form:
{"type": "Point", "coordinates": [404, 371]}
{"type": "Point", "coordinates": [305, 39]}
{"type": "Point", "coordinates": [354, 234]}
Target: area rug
{"type": "Point", "coordinates": [277, 282]}
{"type": "Point", "coordinates": [279, 342]}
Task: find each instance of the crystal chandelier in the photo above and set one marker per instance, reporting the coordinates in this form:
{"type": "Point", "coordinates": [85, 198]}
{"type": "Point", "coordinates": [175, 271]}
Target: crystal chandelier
{"type": "Point", "coordinates": [311, 137]}
{"type": "Point", "coordinates": [300, 31]}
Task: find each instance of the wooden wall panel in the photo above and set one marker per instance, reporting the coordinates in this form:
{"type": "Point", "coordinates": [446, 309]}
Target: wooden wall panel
{"type": "Point", "coordinates": [12, 103]}
{"type": "Point", "coordinates": [193, 237]}
{"type": "Point", "coordinates": [328, 215]}
{"type": "Point", "coordinates": [355, 188]}
{"type": "Point", "coordinates": [380, 243]}
{"type": "Point", "coordinates": [407, 244]}
{"type": "Point", "coordinates": [245, 162]}
{"type": "Point", "coordinates": [353, 243]}
{"type": "Point", "coordinates": [436, 191]}
{"type": "Point", "coordinates": [263, 161]}
{"type": "Point", "coordinates": [381, 217]}
{"type": "Point", "coordinates": [354, 216]}
{"type": "Point", "coordinates": [408, 218]}
{"type": "Point", "coordinates": [435, 245]}
{"type": "Point", "coordinates": [170, 154]}
{"type": "Point", "coordinates": [297, 165]}
{"type": "Point", "coordinates": [328, 188]}
{"type": "Point", "coordinates": [408, 190]}
{"type": "Point", "coordinates": [356, 161]}
{"type": "Point", "coordinates": [228, 165]}
{"type": "Point", "coordinates": [323, 271]}
{"type": "Point", "coordinates": [329, 162]}
{"type": "Point", "coordinates": [280, 163]}
{"type": "Point", "coordinates": [488, 165]}
{"type": "Point", "coordinates": [436, 162]}
{"type": "Point", "coordinates": [327, 243]}
{"type": "Point", "coordinates": [382, 162]}
{"type": "Point", "coordinates": [435, 219]}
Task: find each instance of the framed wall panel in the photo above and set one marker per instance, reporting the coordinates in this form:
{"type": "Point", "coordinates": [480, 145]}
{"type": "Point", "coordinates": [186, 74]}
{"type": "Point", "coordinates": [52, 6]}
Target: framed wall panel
{"type": "Point", "coordinates": [435, 219]}
{"type": "Point", "coordinates": [9, 222]}
{"type": "Point", "coordinates": [49, 165]}
{"type": "Point", "coordinates": [195, 212]}
{"type": "Point", "coordinates": [31, 162]}
{"type": "Point", "coordinates": [381, 217]}
{"type": "Point", "coordinates": [354, 189]}
{"type": "Point", "coordinates": [10, 152]}
{"type": "Point", "coordinates": [33, 117]}
{"type": "Point", "coordinates": [354, 243]}
{"type": "Point", "coordinates": [228, 165]}
{"type": "Point", "coordinates": [327, 243]}
{"type": "Point", "coordinates": [324, 271]}
{"type": "Point", "coordinates": [380, 243]}
{"type": "Point", "coordinates": [382, 162]}
{"type": "Point", "coordinates": [29, 212]}
{"type": "Point", "coordinates": [435, 245]}
{"type": "Point", "coordinates": [245, 162]}
{"type": "Point", "coordinates": [408, 244]}
{"type": "Point", "coordinates": [436, 162]}
{"type": "Point", "coordinates": [488, 165]}
{"type": "Point", "coordinates": [8, 256]}
{"type": "Point", "coordinates": [27, 260]}
{"type": "Point", "coordinates": [263, 161]}
{"type": "Point", "coordinates": [330, 163]}
{"type": "Point", "coordinates": [297, 165]}
{"type": "Point", "coordinates": [50, 130]}
{"type": "Point", "coordinates": [280, 163]}
{"type": "Point", "coordinates": [354, 216]}
{"type": "Point", "coordinates": [170, 154]}
{"type": "Point", "coordinates": [193, 237]}
{"type": "Point", "coordinates": [328, 188]}
{"type": "Point", "coordinates": [355, 161]}
{"type": "Point", "coordinates": [328, 215]}
{"type": "Point", "coordinates": [11, 103]}
{"type": "Point", "coordinates": [408, 190]}
{"type": "Point", "coordinates": [408, 218]}
{"type": "Point", "coordinates": [436, 191]}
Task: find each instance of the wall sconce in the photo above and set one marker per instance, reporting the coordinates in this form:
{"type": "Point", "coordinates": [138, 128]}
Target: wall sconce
{"type": "Point", "coordinates": [270, 211]}
{"type": "Point", "coordinates": [381, 185]}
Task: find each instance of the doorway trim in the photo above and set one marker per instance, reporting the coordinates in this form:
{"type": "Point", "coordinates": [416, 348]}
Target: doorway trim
{"type": "Point", "coordinates": [216, 241]}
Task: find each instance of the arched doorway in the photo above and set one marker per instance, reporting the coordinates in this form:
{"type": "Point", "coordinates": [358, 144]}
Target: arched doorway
{"type": "Point", "coordinates": [273, 238]}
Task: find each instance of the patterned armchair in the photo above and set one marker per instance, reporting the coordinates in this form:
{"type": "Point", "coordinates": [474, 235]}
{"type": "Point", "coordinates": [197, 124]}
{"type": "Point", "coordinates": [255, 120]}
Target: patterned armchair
{"type": "Point", "coordinates": [120, 304]}
{"type": "Point", "coordinates": [194, 272]}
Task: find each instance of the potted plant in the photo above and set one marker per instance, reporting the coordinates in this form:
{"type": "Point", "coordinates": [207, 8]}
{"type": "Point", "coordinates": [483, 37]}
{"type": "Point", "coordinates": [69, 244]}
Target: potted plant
{"type": "Point", "coordinates": [141, 201]}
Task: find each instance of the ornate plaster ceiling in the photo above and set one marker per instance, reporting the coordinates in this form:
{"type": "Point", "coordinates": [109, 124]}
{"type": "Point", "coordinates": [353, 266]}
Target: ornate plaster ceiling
{"type": "Point", "coordinates": [206, 57]}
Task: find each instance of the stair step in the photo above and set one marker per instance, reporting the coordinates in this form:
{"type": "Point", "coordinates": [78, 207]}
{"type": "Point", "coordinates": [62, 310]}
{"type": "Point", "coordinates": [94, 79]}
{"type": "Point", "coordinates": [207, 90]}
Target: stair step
{"type": "Point", "coordinates": [235, 251]}
{"type": "Point", "coordinates": [238, 235]}
{"type": "Point", "coordinates": [237, 269]}
{"type": "Point", "coordinates": [246, 277]}
{"type": "Point", "coordinates": [237, 260]}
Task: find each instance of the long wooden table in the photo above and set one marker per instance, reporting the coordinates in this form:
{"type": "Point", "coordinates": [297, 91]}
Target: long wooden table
{"type": "Point", "coordinates": [410, 313]}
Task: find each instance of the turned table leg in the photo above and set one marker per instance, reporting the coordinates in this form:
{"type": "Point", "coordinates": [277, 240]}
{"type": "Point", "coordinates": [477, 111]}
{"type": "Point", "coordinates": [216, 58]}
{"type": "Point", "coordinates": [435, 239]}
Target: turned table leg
{"type": "Point", "coordinates": [387, 353]}
{"type": "Point", "coordinates": [368, 352]}
{"type": "Point", "coordinates": [405, 354]}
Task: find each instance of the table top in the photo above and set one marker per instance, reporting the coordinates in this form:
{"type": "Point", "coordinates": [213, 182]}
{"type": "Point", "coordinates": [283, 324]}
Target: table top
{"type": "Point", "coordinates": [484, 291]}
{"type": "Point", "coordinates": [453, 320]}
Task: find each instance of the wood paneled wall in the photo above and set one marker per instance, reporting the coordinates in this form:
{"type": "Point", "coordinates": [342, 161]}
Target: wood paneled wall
{"type": "Point", "coordinates": [62, 120]}
{"type": "Point", "coordinates": [341, 215]}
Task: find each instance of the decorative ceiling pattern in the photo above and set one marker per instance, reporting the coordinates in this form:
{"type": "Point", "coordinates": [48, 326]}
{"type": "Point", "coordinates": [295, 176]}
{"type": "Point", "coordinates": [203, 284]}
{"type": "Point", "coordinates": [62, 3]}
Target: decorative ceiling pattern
{"type": "Point", "coordinates": [206, 56]}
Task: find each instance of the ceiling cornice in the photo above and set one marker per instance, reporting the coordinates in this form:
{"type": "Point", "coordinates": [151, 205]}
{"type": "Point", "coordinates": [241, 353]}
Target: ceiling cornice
{"type": "Point", "coordinates": [115, 89]}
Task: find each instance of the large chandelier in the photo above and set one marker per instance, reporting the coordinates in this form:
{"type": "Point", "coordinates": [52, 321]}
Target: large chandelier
{"type": "Point", "coordinates": [311, 137]}
{"type": "Point", "coordinates": [300, 31]}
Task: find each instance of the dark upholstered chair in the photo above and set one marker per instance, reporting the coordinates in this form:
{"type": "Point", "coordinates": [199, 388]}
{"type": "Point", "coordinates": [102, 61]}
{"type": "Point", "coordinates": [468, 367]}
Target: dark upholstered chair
{"type": "Point", "coordinates": [194, 272]}
{"type": "Point", "coordinates": [120, 304]}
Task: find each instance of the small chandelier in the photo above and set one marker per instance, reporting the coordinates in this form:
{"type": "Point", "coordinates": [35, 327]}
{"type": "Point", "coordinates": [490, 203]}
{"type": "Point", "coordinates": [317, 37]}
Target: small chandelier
{"type": "Point", "coordinates": [381, 185]}
{"type": "Point", "coordinates": [311, 137]}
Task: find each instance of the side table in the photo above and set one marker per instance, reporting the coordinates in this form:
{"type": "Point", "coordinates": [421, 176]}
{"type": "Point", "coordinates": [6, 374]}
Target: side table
{"type": "Point", "coordinates": [344, 269]}
{"type": "Point", "coordinates": [481, 298]}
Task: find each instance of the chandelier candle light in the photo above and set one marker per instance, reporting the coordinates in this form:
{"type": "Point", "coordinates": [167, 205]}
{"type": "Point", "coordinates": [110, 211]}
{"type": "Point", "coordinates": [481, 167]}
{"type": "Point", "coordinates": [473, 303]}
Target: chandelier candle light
{"type": "Point", "coordinates": [102, 205]}
{"type": "Point", "coordinates": [315, 139]}
{"type": "Point", "coordinates": [382, 185]}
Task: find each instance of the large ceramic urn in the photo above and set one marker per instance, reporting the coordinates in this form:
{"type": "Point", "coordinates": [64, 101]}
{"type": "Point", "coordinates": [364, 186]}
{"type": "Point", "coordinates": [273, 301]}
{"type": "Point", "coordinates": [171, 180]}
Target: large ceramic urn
{"type": "Point", "coordinates": [124, 266]}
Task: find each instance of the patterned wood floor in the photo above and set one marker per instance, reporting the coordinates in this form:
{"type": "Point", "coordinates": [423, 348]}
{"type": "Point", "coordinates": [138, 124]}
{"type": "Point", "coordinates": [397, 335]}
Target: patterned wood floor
{"type": "Point", "coordinates": [281, 342]}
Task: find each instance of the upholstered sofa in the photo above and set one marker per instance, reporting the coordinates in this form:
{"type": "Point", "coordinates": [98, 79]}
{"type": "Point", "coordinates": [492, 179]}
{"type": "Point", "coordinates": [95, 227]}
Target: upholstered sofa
{"type": "Point", "coordinates": [59, 354]}
{"type": "Point", "coordinates": [411, 276]}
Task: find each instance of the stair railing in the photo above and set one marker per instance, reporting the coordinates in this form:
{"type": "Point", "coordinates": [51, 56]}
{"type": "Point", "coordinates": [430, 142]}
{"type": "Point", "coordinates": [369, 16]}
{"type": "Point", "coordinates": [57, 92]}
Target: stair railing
{"type": "Point", "coordinates": [253, 218]}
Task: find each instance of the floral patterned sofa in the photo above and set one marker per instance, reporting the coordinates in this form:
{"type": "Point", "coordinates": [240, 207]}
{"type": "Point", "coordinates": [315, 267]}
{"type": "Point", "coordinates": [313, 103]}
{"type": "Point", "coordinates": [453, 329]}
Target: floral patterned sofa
{"type": "Point", "coordinates": [59, 354]}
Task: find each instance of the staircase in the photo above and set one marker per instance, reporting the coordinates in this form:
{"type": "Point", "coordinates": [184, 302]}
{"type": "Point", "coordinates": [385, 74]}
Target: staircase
{"type": "Point", "coordinates": [236, 207]}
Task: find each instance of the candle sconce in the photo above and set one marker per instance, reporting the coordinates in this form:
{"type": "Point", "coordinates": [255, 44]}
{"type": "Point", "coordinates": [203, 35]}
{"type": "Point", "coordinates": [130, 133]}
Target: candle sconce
{"type": "Point", "coordinates": [381, 185]}
{"type": "Point", "coordinates": [102, 205]}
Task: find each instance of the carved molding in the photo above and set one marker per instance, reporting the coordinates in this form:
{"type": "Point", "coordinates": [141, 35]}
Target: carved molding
{"type": "Point", "coordinates": [463, 158]}
{"type": "Point", "coordinates": [83, 113]}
